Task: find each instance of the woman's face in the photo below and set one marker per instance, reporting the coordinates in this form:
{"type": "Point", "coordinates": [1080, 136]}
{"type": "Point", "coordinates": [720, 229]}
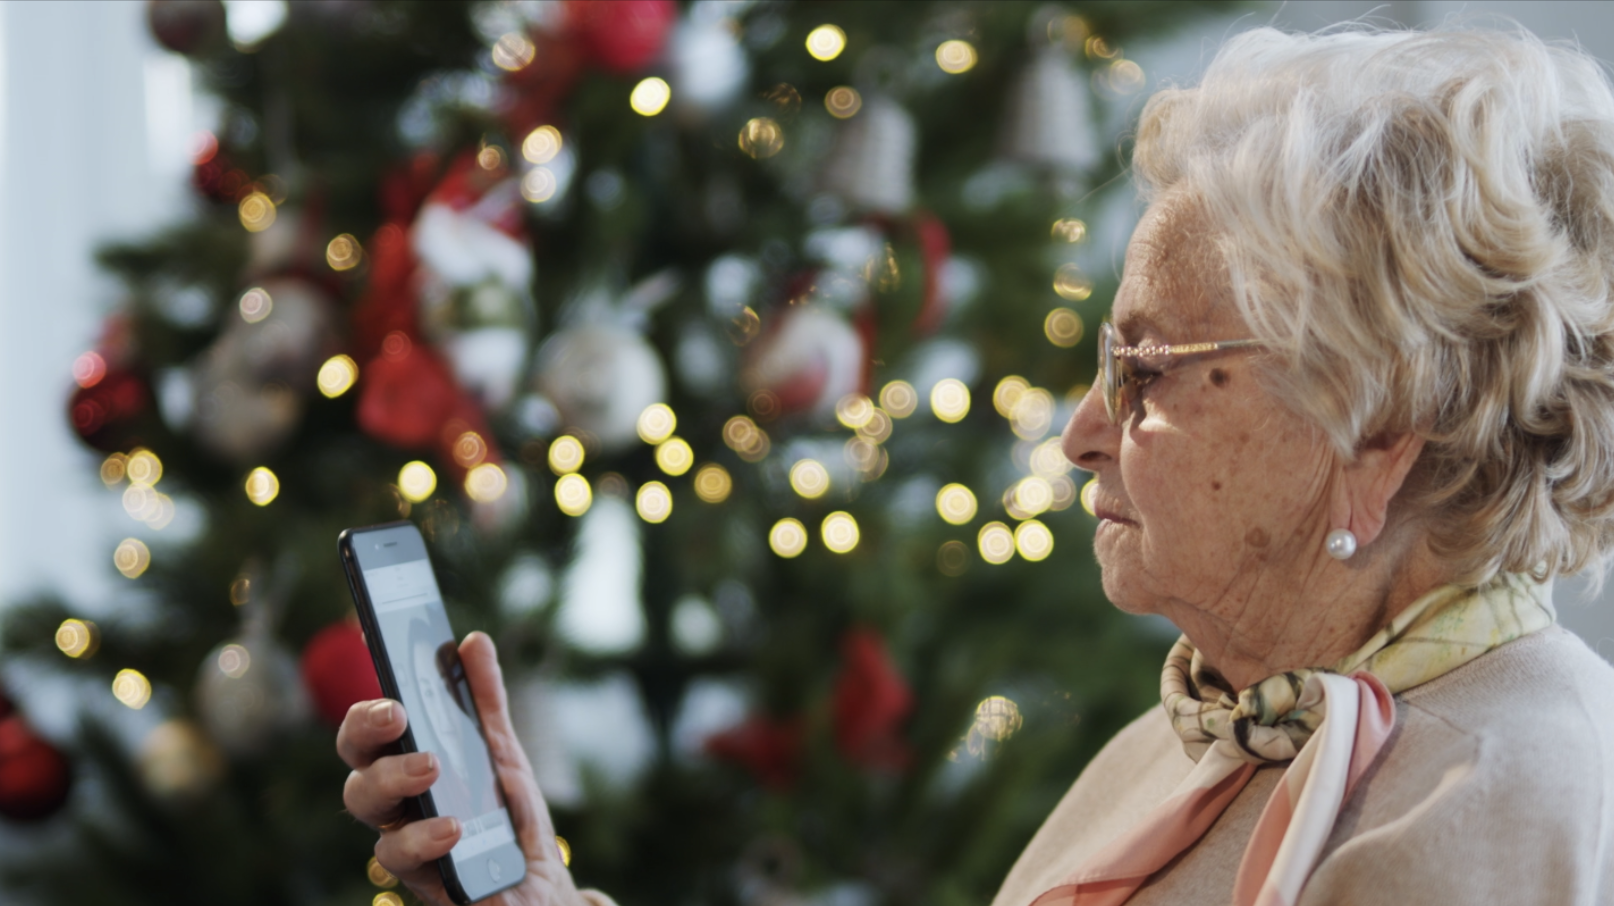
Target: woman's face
{"type": "Point", "coordinates": [1210, 492]}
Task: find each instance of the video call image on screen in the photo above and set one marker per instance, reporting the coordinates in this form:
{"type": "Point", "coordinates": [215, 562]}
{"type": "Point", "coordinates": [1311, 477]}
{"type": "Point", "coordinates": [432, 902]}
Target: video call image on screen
{"type": "Point", "coordinates": [437, 698]}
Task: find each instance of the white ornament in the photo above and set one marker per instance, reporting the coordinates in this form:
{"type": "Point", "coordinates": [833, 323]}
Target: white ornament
{"type": "Point", "coordinates": [810, 361]}
{"type": "Point", "coordinates": [708, 65]}
{"type": "Point", "coordinates": [600, 377]}
{"type": "Point", "coordinates": [1048, 122]}
{"type": "Point", "coordinates": [1341, 544]}
{"type": "Point", "coordinates": [871, 165]}
{"type": "Point", "coordinates": [463, 247]}
{"type": "Point", "coordinates": [600, 611]}
{"type": "Point", "coordinates": [247, 692]}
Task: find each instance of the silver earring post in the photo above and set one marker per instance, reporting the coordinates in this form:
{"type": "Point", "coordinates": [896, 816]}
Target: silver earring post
{"type": "Point", "coordinates": [1341, 544]}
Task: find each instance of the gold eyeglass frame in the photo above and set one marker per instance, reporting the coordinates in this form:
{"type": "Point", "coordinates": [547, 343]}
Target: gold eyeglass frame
{"type": "Point", "coordinates": [1115, 376]}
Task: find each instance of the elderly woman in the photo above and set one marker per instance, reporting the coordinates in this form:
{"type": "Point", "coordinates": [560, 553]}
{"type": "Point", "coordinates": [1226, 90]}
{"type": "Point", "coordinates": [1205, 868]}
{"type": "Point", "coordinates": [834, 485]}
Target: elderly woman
{"type": "Point", "coordinates": [1355, 411]}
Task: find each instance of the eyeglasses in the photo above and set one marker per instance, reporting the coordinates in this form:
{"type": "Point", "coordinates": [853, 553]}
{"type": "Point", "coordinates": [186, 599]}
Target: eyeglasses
{"type": "Point", "coordinates": [1119, 376]}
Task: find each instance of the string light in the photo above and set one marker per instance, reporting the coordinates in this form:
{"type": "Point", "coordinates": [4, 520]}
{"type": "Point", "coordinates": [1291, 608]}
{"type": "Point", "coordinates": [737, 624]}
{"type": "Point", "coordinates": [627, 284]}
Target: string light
{"type": "Point", "coordinates": [854, 410]}
{"type": "Point", "coordinates": [1032, 414]}
{"type": "Point", "coordinates": [573, 495]}
{"type": "Point", "coordinates": [996, 543]}
{"type": "Point", "coordinates": [144, 467]}
{"type": "Point", "coordinates": [77, 638]}
{"type": "Point", "coordinates": [650, 97]}
{"type": "Point", "coordinates": [89, 369]}
{"type": "Point", "coordinates": [843, 102]}
{"type": "Point", "coordinates": [343, 253]}
{"type": "Point", "coordinates": [387, 898]}
{"type": "Point", "coordinates": [378, 874]}
{"type": "Point", "coordinates": [416, 481]}
{"type": "Point", "coordinates": [1064, 492]}
{"type": "Point", "coordinates": [952, 558]}
{"type": "Point", "coordinates": [674, 456]}
{"type": "Point", "coordinates": [877, 429]}
{"type": "Point", "coordinates": [744, 437]}
{"type": "Point", "coordinates": [809, 478]}
{"type": "Point", "coordinates": [950, 400]}
{"type": "Point", "coordinates": [653, 502]}
{"type": "Point", "coordinates": [1069, 229]}
{"type": "Point", "coordinates": [257, 212]}
{"type": "Point", "coordinates": [469, 449]}
{"type": "Point", "coordinates": [955, 56]}
{"type": "Point", "coordinates": [541, 145]}
{"type": "Point", "coordinates": [491, 158]}
{"type": "Point", "coordinates": [565, 850]}
{"type": "Point", "coordinates": [656, 423]}
{"type": "Point", "coordinates": [255, 305]}
{"type": "Point", "coordinates": [1048, 459]}
{"type": "Point", "coordinates": [512, 52]}
{"type": "Point", "coordinates": [131, 557]}
{"type": "Point", "coordinates": [486, 483]}
{"type": "Point", "coordinates": [234, 661]}
{"type": "Point", "coordinates": [1087, 496]}
{"type": "Point", "coordinates": [1063, 328]}
{"type": "Point", "coordinates": [840, 532]}
{"type": "Point", "coordinates": [1007, 393]}
{"type": "Point", "coordinates": [899, 399]}
{"type": "Point", "coordinates": [788, 538]}
{"type": "Point", "coordinates": [826, 42]}
{"type": "Point", "coordinates": [996, 718]}
{"type": "Point", "coordinates": [712, 483]}
{"type": "Point", "coordinates": [956, 504]}
{"type": "Point", "coordinates": [132, 688]}
{"type": "Point", "coordinates": [113, 469]}
{"type": "Point", "coordinates": [262, 486]}
{"type": "Point", "coordinates": [565, 455]}
{"type": "Point", "coordinates": [1033, 540]}
{"type": "Point", "coordinates": [761, 137]}
{"type": "Point", "coordinates": [1070, 283]}
{"type": "Point", "coordinates": [337, 376]}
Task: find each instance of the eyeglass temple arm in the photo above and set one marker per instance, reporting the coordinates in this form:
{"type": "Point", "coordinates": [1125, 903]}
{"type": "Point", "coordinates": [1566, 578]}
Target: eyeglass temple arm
{"type": "Point", "coordinates": [1180, 349]}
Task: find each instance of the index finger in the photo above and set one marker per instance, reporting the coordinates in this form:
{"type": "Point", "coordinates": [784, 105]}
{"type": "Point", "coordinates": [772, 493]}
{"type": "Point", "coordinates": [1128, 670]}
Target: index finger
{"type": "Point", "coordinates": [368, 729]}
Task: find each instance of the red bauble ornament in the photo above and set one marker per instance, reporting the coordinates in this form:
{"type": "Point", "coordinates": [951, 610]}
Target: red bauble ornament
{"type": "Point", "coordinates": [186, 26]}
{"type": "Point", "coordinates": [34, 775]}
{"type": "Point", "coordinates": [338, 671]}
{"type": "Point", "coordinates": [408, 394]}
{"type": "Point", "coordinates": [770, 749]}
{"type": "Point", "coordinates": [871, 702]}
{"type": "Point", "coordinates": [623, 36]}
{"type": "Point", "coordinates": [104, 413]}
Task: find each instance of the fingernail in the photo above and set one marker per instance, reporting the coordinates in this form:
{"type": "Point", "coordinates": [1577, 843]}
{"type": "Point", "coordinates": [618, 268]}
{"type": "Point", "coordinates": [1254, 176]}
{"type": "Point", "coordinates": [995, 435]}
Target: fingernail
{"type": "Point", "coordinates": [420, 764]}
{"type": "Point", "coordinates": [443, 828]}
{"type": "Point", "coordinates": [380, 714]}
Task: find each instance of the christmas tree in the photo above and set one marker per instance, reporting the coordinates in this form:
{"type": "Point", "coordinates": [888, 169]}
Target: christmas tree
{"type": "Point", "coordinates": [720, 353]}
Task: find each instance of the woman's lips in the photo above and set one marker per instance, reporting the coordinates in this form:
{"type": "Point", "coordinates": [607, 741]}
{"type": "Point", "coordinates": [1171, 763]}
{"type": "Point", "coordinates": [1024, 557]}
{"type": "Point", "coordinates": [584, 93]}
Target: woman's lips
{"type": "Point", "coordinates": [1109, 515]}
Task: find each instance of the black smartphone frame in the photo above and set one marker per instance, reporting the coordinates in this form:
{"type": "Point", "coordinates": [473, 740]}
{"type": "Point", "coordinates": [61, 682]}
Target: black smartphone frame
{"type": "Point", "coordinates": [422, 806]}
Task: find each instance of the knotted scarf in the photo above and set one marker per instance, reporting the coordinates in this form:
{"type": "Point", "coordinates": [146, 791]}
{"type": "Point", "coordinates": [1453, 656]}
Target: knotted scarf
{"type": "Point", "coordinates": [1330, 723]}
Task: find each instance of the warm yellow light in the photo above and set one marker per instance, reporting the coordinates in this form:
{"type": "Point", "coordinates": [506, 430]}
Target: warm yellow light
{"type": "Point", "coordinates": [140, 502]}
{"type": "Point", "coordinates": [950, 400]}
{"type": "Point", "coordinates": [262, 486]}
{"type": "Point", "coordinates": [114, 468]}
{"type": "Point", "coordinates": [1048, 459]}
{"type": "Point", "coordinates": [337, 376]}
{"type": "Point", "coordinates": [1064, 492]}
{"type": "Point", "coordinates": [650, 97]}
{"type": "Point", "coordinates": [953, 558]}
{"type": "Point", "coordinates": [565, 850]}
{"type": "Point", "coordinates": [343, 253]}
{"type": "Point", "coordinates": [144, 468]}
{"type": "Point", "coordinates": [1126, 76]}
{"type": "Point", "coordinates": [234, 661]}
{"type": "Point", "coordinates": [416, 481]}
{"type": "Point", "coordinates": [809, 478]}
{"type": "Point", "coordinates": [840, 532]}
{"type": "Point", "coordinates": [1033, 540]}
{"type": "Point", "coordinates": [712, 483]}
{"type": "Point", "coordinates": [491, 157]}
{"type": "Point", "coordinates": [1069, 229]}
{"type": "Point", "coordinates": [843, 102]}
{"type": "Point", "coordinates": [877, 428]}
{"type": "Point", "coordinates": [955, 56]}
{"type": "Point", "coordinates": [761, 137]}
{"type": "Point", "coordinates": [654, 502]}
{"type": "Point", "coordinates": [956, 504]}
{"type": "Point", "coordinates": [573, 495]}
{"type": "Point", "coordinates": [77, 638]}
{"type": "Point", "coordinates": [1007, 393]}
{"type": "Point", "coordinates": [387, 898]}
{"type": "Point", "coordinates": [862, 454]}
{"type": "Point", "coordinates": [379, 876]}
{"type": "Point", "coordinates": [512, 52]}
{"type": "Point", "coordinates": [826, 42]}
{"type": "Point", "coordinates": [1063, 328]}
{"type": "Point", "coordinates": [255, 305]}
{"type": "Point", "coordinates": [241, 590]}
{"type": "Point", "coordinates": [1087, 496]}
{"type": "Point", "coordinates": [469, 449]}
{"type": "Point", "coordinates": [541, 145]}
{"type": "Point", "coordinates": [539, 185]}
{"type": "Point", "coordinates": [486, 483]}
{"type": "Point", "coordinates": [132, 688]}
{"type": "Point", "coordinates": [996, 543]}
{"type": "Point", "coordinates": [1033, 414]}
{"type": "Point", "coordinates": [657, 423]}
{"type": "Point", "coordinates": [854, 410]}
{"type": "Point", "coordinates": [257, 212]}
{"type": "Point", "coordinates": [899, 399]}
{"type": "Point", "coordinates": [674, 456]}
{"type": "Point", "coordinates": [744, 437]}
{"type": "Point", "coordinates": [131, 557]}
{"type": "Point", "coordinates": [565, 455]}
{"type": "Point", "coordinates": [1070, 283]}
{"type": "Point", "coordinates": [996, 718]}
{"type": "Point", "coordinates": [788, 538]}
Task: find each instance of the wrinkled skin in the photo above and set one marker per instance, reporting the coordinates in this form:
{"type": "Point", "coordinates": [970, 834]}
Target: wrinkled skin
{"type": "Point", "coordinates": [376, 790]}
{"type": "Point", "coordinates": [1215, 499]}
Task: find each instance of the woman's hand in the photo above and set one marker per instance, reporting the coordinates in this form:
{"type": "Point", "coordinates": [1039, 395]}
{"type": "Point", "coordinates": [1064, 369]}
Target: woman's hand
{"type": "Point", "coordinates": [380, 783]}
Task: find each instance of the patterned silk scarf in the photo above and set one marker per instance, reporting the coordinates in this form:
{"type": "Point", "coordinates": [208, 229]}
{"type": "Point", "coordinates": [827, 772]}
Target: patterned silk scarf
{"type": "Point", "coordinates": [1330, 723]}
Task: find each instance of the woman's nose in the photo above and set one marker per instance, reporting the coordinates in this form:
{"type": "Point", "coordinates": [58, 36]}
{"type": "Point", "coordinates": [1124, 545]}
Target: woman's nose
{"type": "Point", "coordinates": [1090, 440]}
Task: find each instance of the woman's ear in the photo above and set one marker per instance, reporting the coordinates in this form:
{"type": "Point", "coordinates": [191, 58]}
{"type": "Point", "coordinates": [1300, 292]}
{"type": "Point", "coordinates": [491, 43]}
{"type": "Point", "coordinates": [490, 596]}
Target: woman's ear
{"type": "Point", "coordinates": [1371, 481]}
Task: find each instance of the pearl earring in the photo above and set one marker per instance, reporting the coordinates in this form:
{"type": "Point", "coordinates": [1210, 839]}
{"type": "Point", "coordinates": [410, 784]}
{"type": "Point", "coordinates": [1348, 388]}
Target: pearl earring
{"type": "Point", "coordinates": [1341, 544]}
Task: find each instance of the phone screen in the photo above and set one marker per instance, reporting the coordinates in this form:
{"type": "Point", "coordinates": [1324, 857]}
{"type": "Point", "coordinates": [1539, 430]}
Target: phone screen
{"type": "Point", "coordinates": [422, 657]}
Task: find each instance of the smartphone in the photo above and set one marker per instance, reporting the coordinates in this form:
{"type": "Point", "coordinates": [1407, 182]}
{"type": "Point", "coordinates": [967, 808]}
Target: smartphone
{"type": "Point", "coordinates": [417, 660]}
